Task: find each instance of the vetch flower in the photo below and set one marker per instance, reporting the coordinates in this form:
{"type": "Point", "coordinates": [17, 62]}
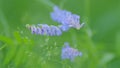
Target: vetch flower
{"type": "Point", "coordinates": [44, 29]}
{"type": "Point", "coordinates": [69, 53]}
{"type": "Point", "coordinates": [66, 18]}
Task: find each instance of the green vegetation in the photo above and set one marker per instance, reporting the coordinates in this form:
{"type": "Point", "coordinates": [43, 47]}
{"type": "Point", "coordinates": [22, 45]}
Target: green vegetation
{"type": "Point", "coordinates": [98, 40]}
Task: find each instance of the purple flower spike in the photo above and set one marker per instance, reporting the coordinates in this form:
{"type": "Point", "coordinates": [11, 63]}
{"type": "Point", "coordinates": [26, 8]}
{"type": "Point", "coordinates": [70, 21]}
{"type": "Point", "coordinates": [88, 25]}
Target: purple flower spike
{"type": "Point", "coordinates": [69, 53]}
{"type": "Point", "coordinates": [44, 29]}
{"type": "Point", "coordinates": [66, 18]}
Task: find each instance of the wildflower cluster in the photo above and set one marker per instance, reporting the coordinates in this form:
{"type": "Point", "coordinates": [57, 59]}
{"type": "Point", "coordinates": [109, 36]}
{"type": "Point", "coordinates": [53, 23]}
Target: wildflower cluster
{"type": "Point", "coordinates": [66, 18]}
{"type": "Point", "coordinates": [69, 53]}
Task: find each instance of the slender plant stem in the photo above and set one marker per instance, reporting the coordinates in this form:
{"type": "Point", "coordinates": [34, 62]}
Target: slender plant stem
{"type": "Point", "coordinates": [2, 47]}
{"type": "Point", "coordinates": [4, 22]}
{"type": "Point", "coordinates": [62, 3]}
{"type": "Point", "coordinates": [47, 3]}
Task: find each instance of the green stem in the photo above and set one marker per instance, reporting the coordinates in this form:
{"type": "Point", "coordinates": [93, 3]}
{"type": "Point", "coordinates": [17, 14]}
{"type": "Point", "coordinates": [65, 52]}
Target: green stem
{"type": "Point", "coordinates": [91, 46]}
{"type": "Point", "coordinates": [62, 3]}
{"type": "Point", "coordinates": [2, 47]}
{"type": "Point", "coordinates": [4, 23]}
{"type": "Point", "coordinates": [87, 7]}
{"type": "Point", "coordinates": [47, 3]}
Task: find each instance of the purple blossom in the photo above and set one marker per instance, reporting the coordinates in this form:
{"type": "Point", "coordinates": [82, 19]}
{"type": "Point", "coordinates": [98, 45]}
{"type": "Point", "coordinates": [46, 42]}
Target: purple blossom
{"type": "Point", "coordinates": [69, 53]}
{"type": "Point", "coordinates": [44, 29]}
{"type": "Point", "coordinates": [66, 18]}
{"type": "Point", "coordinates": [64, 27]}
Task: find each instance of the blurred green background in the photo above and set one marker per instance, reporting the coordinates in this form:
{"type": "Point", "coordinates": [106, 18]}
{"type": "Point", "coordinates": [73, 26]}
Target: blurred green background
{"type": "Point", "coordinates": [99, 39]}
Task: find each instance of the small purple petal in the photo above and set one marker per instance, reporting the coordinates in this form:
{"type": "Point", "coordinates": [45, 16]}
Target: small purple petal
{"type": "Point", "coordinates": [39, 31]}
{"type": "Point", "coordinates": [64, 27]}
{"type": "Point", "coordinates": [33, 29]}
{"type": "Point", "coordinates": [58, 31]}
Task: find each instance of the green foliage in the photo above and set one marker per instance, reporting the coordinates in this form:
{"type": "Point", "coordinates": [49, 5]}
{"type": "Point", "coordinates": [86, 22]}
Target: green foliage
{"type": "Point", "coordinates": [99, 39]}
